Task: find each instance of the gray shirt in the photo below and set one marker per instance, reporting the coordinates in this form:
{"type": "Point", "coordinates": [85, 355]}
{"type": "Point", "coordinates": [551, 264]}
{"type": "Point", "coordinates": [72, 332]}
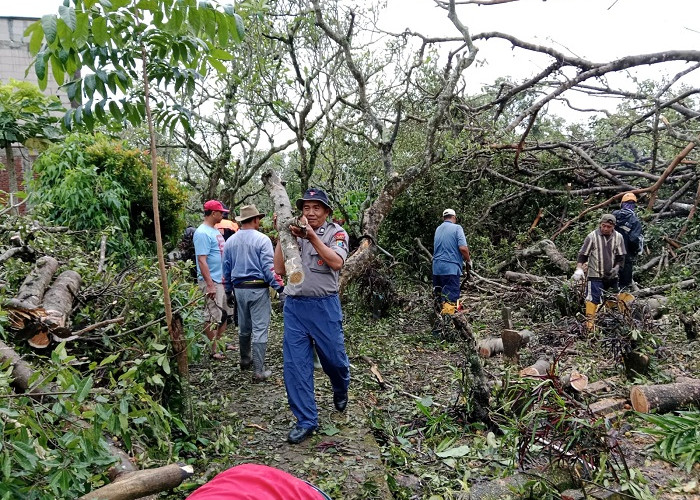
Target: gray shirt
{"type": "Point", "coordinates": [319, 279]}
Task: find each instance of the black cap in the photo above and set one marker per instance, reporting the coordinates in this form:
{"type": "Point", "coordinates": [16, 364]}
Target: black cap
{"type": "Point", "coordinates": [313, 194]}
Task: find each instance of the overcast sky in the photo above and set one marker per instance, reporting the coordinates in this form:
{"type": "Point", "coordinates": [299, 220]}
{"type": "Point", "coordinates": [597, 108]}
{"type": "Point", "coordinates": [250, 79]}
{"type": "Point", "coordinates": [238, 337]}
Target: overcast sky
{"type": "Point", "coordinates": [598, 30]}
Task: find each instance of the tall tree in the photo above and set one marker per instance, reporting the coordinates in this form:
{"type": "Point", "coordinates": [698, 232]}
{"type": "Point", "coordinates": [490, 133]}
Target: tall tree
{"type": "Point", "coordinates": [121, 44]}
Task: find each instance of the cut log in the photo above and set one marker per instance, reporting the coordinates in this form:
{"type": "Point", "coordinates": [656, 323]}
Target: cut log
{"type": "Point", "coordinates": [21, 371]}
{"type": "Point", "coordinates": [503, 488]}
{"type": "Point", "coordinates": [491, 347]}
{"type": "Point", "coordinates": [58, 303]}
{"type": "Point", "coordinates": [287, 241]}
{"type": "Point", "coordinates": [34, 286]}
{"type": "Point", "coordinates": [539, 368]}
{"type": "Point", "coordinates": [683, 285]}
{"type": "Point", "coordinates": [137, 484]}
{"type": "Point", "coordinates": [664, 397]}
{"type": "Point", "coordinates": [604, 385]}
{"type": "Point", "coordinates": [574, 381]}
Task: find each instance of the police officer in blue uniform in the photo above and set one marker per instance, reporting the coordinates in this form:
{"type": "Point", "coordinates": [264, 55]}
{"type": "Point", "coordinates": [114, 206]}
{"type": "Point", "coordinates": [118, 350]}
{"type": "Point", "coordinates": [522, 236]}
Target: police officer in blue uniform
{"type": "Point", "coordinates": [312, 315]}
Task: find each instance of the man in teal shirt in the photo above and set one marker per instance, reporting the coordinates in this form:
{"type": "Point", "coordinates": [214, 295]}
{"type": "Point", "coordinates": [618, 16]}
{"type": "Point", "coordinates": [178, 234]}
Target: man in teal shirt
{"type": "Point", "coordinates": [449, 250]}
{"type": "Point", "coordinates": [208, 247]}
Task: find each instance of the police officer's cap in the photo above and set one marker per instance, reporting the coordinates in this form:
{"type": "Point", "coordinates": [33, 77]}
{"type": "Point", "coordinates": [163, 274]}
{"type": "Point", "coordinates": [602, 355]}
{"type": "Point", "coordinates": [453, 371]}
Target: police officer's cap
{"type": "Point", "coordinates": [313, 194]}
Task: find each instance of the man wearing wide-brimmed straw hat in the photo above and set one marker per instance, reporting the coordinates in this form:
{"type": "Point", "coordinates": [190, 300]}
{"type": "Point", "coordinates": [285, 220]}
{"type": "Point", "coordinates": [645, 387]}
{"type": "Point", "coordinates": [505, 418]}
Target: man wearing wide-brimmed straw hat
{"type": "Point", "coordinates": [249, 272]}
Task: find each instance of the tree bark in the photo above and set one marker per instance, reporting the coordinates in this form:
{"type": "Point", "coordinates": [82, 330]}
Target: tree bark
{"type": "Point", "coordinates": [548, 248]}
{"type": "Point", "coordinates": [524, 279]}
{"type": "Point", "coordinates": [34, 286]}
{"type": "Point", "coordinates": [288, 242]}
{"type": "Point", "coordinates": [58, 303]}
{"type": "Point", "coordinates": [137, 484]}
{"type": "Point", "coordinates": [25, 310]}
{"type": "Point", "coordinates": [664, 397]}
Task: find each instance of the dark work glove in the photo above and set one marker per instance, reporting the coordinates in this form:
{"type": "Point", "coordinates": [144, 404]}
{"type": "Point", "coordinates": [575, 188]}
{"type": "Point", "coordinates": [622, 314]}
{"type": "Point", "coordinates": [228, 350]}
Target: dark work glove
{"type": "Point", "coordinates": [614, 273]}
{"type": "Point", "coordinates": [230, 299]}
{"type": "Point", "coordinates": [280, 291]}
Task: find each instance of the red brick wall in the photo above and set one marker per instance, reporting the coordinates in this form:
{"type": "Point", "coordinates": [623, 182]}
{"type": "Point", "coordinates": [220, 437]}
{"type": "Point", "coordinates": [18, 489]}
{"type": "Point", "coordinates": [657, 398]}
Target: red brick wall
{"type": "Point", "coordinates": [19, 158]}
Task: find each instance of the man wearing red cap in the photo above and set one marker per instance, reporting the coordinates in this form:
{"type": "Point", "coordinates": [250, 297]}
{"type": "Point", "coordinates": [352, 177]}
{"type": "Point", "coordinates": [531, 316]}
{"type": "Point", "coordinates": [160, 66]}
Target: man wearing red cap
{"type": "Point", "coordinates": [208, 247]}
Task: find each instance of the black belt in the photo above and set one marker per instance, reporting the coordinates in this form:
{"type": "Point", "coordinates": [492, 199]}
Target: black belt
{"type": "Point", "coordinates": [250, 283]}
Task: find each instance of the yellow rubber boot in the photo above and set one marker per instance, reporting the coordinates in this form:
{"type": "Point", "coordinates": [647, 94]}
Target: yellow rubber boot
{"type": "Point", "coordinates": [591, 309]}
{"type": "Point", "coordinates": [448, 308]}
{"type": "Point", "coordinates": [624, 302]}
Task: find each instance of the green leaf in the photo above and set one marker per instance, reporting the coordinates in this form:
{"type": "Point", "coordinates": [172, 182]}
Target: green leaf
{"type": "Point", "coordinates": [57, 69]}
{"type": "Point", "coordinates": [222, 28]}
{"type": "Point", "coordinates": [457, 452]}
{"type": "Point", "coordinates": [25, 454]}
{"type": "Point", "coordinates": [68, 16]}
{"type": "Point", "coordinates": [217, 65]}
{"type": "Point", "coordinates": [36, 38]}
{"type": "Point", "coordinates": [84, 389]}
{"type": "Point", "coordinates": [240, 28]}
{"type": "Point", "coordinates": [40, 69]}
{"type": "Point", "coordinates": [89, 83]}
{"type": "Point", "coordinates": [48, 23]}
{"type": "Point", "coordinates": [99, 30]}
{"type": "Point", "coordinates": [221, 55]}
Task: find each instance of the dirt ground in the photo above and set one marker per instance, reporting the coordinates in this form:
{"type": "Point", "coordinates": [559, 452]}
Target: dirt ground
{"type": "Point", "coordinates": [344, 459]}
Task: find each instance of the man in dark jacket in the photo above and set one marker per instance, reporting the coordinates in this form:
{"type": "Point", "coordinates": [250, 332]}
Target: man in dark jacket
{"type": "Point", "coordinates": [630, 228]}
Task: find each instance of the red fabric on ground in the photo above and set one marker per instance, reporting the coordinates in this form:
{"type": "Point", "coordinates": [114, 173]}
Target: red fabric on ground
{"type": "Point", "coordinates": [255, 482]}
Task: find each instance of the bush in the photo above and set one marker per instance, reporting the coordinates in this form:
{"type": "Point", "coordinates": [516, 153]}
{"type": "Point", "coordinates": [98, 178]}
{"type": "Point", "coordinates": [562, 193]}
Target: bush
{"type": "Point", "coordinates": [93, 182]}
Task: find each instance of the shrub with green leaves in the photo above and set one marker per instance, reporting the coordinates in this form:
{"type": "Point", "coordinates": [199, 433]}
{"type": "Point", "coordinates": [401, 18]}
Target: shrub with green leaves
{"type": "Point", "coordinates": [93, 182]}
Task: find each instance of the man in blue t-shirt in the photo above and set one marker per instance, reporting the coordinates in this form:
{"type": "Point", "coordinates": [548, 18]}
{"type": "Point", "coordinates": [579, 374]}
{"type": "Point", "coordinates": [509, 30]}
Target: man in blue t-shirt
{"type": "Point", "coordinates": [209, 247]}
{"type": "Point", "coordinates": [450, 249]}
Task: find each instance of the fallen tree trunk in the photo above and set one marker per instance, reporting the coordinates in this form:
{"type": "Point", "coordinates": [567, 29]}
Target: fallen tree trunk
{"type": "Point", "coordinates": [664, 397]}
{"type": "Point", "coordinates": [58, 303]}
{"type": "Point", "coordinates": [137, 484]}
{"type": "Point", "coordinates": [287, 241]}
{"type": "Point", "coordinates": [503, 488]}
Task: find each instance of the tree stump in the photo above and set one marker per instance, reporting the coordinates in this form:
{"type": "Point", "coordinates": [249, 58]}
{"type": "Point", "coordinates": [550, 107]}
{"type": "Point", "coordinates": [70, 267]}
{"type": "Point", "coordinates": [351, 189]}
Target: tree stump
{"type": "Point", "coordinates": [664, 397]}
{"type": "Point", "coordinates": [574, 381]}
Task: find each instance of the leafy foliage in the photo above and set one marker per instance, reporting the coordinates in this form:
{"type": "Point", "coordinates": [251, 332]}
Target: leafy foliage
{"type": "Point", "coordinates": [679, 437]}
{"type": "Point", "coordinates": [92, 182]}
{"type": "Point", "coordinates": [26, 115]}
{"type": "Point", "coordinates": [179, 39]}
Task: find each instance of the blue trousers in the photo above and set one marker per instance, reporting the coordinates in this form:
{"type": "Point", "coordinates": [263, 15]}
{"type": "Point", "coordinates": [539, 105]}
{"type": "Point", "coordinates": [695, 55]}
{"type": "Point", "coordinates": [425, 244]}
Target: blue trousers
{"type": "Point", "coordinates": [309, 321]}
{"type": "Point", "coordinates": [446, 287]}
